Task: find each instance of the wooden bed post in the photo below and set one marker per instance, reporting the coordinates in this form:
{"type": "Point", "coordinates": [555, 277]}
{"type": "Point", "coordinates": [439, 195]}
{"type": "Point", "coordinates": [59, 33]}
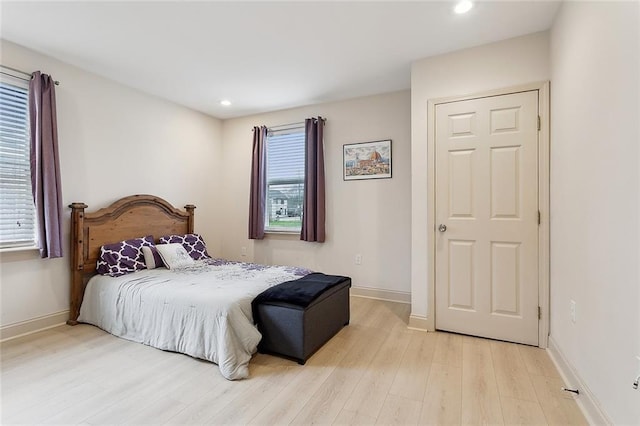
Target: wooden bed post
{"type": "Point", "coordinates": [190, 208]}
{"type": "Point", "coordinates": [77, 261]}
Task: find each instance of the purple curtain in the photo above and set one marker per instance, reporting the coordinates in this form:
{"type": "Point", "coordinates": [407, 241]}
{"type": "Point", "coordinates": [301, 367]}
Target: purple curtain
{"type": "Point", "coordinates": [313, 210]}
{"type": "Point", "coordinates": [258, 184]}
{"type": "Point", "coordinates": [45, 165]}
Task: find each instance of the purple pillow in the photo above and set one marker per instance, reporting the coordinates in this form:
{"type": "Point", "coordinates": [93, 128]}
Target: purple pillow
{"type": "Point", "coordinates": [122, 258]}
{"type": "Point", "coordinates": [193, 243]}
{"type": "Point", "coordinates": [152, 258]}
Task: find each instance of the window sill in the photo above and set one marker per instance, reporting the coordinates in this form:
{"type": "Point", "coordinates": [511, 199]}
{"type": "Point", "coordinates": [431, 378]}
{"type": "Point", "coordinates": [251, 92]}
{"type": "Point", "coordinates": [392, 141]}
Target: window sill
{"type": "Point", "coordinates": [18, 249]}
{"type": "Point", "coordinates": [283, 233]}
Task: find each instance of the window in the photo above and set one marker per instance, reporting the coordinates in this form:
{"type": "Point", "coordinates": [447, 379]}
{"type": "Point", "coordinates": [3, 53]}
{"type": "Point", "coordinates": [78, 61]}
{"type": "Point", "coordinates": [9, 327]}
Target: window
{"type": "Point", "coordinates": [17, 213]}
{"type": "Point", "coordinates": [285, 179]}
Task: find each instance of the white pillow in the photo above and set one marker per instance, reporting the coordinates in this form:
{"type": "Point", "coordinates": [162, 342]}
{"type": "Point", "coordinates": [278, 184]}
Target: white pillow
{"type": "Point", "coordinates": [174, 255]}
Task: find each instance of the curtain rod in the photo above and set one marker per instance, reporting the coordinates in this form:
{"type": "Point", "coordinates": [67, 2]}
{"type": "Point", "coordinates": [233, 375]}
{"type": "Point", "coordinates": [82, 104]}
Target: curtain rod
{"type": "Point", "coordinates": [299, 123]}
{"type": "Point", "coordinates": [283, 129]}
{"type": "Point", "coordinates": [289, 126]}
{"type": "Point", "coordinates": [56, 82]}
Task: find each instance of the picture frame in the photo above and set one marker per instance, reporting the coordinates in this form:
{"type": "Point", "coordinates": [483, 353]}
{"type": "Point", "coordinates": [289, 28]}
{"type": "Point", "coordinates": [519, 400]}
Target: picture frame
{"type": "Point", "coordinates": [367, 160]}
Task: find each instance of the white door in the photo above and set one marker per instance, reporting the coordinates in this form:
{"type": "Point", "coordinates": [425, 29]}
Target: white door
{"type": "Point", "coordinates": [487, 217]}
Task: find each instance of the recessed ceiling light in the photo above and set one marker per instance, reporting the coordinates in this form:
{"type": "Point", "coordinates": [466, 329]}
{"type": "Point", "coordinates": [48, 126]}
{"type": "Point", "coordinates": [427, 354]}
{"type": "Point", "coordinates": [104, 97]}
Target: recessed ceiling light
{"type": "Point", "coordinates": [225, 102]}
{"type": "Point", "coordinates": [463, 6]}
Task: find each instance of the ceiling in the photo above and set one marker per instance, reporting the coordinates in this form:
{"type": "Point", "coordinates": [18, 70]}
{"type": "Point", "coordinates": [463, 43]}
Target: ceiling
{"type": "Point", "coordinates": [264, 55]}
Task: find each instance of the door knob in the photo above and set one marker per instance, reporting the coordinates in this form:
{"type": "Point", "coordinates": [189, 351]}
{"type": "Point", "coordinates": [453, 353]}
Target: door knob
{"type": "Point", "coordinates": [442, 227]}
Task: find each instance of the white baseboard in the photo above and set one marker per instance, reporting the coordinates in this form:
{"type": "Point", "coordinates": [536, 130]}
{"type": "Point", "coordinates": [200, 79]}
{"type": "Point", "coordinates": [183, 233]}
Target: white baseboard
{"type": "Point", "coordinates": [375, 293]}
{"type": "Point", "coordinates": [586, 400]}
{"type": "Point", "coordinates": [418, 323]}
{"type": "Point", "coordinates": [22, 328]}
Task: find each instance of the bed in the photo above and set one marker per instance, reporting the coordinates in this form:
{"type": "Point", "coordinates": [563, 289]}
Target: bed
{"type": "Point", "coordinates": [203, 310]}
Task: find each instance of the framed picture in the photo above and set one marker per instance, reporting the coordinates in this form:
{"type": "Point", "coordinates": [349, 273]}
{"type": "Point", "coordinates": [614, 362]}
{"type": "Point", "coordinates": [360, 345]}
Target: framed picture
{"type": "Point", "coordinates": [367, 160]}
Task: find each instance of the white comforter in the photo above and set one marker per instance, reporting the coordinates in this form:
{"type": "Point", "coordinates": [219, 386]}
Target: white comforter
{"type": "Point", "coordinates": [203, 311]}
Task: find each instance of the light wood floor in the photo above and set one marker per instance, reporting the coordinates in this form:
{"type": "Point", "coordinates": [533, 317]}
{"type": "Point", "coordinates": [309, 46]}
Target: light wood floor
{"type": "Point", "coordinates": [374, 371]}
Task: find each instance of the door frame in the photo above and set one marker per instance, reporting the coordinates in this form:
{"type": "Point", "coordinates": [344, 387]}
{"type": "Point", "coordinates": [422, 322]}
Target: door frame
{"type": "Point", "coordinates": [543, 199]}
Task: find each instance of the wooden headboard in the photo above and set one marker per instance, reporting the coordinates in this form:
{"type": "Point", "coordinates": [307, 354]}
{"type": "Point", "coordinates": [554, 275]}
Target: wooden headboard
{"type": "Point", "coordinates": [130, 217]}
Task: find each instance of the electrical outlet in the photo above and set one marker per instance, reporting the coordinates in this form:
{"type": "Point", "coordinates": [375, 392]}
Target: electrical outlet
{"type": "Point", "coordinates": [243, 251]}
{"type": "Point", "coordinates": [358, 259]}
{"type": "Point", "coordinates": [572, 310]}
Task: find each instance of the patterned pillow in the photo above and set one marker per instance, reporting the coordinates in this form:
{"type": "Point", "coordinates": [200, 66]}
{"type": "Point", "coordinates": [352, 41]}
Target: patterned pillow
{"type": "Point", "coordinates": [122, 258]}
{"type": "Point", "coordinates": [152, 258]}
{"type": "Point", "coordinates": [193, 243]}
{"type": "Point", "coordinates": [174, 255]}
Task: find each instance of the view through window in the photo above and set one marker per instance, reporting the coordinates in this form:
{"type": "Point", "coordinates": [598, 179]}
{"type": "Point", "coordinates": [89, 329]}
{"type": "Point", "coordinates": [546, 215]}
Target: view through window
{"type": "Point", "coordinates": [285, 179]}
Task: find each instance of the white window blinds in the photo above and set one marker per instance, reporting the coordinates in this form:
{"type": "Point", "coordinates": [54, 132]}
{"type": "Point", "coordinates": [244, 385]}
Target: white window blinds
{"type": "Point", "coordinates": [17, 218]}
{"type": "Point", "coordinates": [285, 179]}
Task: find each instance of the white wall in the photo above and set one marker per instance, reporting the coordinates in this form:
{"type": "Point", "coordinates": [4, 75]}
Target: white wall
{"type": "Point", "coordinates": [369, 217]}
{"type": "Point", "coordinates": [114, 141]}
{"type": "Point", "coordinates": [503, 64]}
{"type": "Point", "coordinates": [594, 198]}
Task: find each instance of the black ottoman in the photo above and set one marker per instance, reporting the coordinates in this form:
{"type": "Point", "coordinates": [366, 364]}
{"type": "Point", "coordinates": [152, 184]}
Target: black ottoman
{"type": "Point", "coordinates": [298, 332]}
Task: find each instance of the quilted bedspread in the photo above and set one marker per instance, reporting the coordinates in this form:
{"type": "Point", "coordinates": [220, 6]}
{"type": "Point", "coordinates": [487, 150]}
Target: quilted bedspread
{"type": "Point", "coordinates": [202, 310]}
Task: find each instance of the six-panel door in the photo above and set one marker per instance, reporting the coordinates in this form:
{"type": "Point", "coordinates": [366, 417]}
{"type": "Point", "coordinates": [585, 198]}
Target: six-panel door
{"type": "Point", "coordinates": [487, 198]}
